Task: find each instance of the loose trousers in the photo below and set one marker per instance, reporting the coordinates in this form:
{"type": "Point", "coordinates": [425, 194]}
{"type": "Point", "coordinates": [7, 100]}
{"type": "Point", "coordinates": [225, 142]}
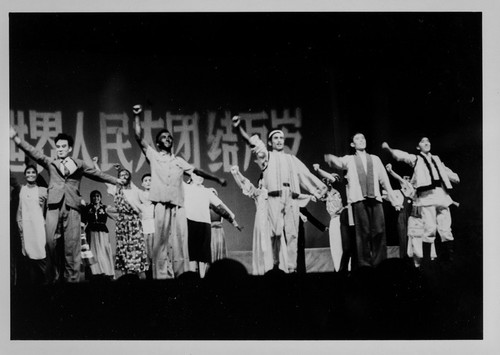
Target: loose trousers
{"type": "Point", "coordinates": [284, 217]}
{"type": "Point", "coordinates": [436, 218]}
{"type": "Point", "coordinates": [170, 243]}
{"type": "Point", "coordinates": [371, 243]}
{"type": "Point", "coordinates": [64, 247]}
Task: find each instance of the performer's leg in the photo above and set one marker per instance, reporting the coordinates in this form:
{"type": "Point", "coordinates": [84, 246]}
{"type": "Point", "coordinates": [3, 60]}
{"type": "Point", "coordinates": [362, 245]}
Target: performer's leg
{"type": "Point", "coordinates": [378, 238]}
{"type": "Point", "coordinates": [291, 227]}
{"type": "Point", "coordinates": [72, 244]}
{"type": "Point", "coordinates": [53, 262]}
{"type": "Point", "coordinates": [179, 242]}
{"type": "Point", "coordinates": [276, 223]}
{"type": "Point", "coordinates": [429, 218]}
{"type": "Point", "coordinates": [160, 260]}
{"type": "Point", "coordinates": [402, 227]}
{"type": "Point", "coordinates": [348, 241]}
{"type": "Point", "coordinates": [443, 220]}
{"type": "Point", "coordinates": [301, 252]}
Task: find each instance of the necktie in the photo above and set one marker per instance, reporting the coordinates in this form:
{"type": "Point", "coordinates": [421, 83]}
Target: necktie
{"type": "Point", "coordinates": [66, 170]}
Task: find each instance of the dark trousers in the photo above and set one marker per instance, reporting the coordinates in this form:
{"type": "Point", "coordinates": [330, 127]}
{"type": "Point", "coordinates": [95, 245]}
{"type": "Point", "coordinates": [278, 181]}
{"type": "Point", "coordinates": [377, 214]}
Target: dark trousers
{"type": "Point", "coordinates": [32, 271]}
{"type": "Point", "coordinates": [348, 235]}
{"type": "Point", "coordinates": [301, 249]}
{"type": "Point", "coordinates": [402, 227]}
{"type": "Point", "coordinates": [371, 244]}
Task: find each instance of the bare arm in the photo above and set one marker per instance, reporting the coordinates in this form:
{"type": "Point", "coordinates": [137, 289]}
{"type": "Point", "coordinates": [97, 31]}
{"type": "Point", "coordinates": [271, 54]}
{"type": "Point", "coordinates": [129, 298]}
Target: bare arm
{"type": "Point", "coordinates": [240, 130]}
{"type": "Point", "coordinates": [394, 174]}
{"type": "Point", "coordinates": [386, 184]}
{"type": "Point", "coordinates": [333, 160]}
{"type": "Point", "coordinates": [137, 109]}
{"type": "Point", "coordinates": [332, 177]}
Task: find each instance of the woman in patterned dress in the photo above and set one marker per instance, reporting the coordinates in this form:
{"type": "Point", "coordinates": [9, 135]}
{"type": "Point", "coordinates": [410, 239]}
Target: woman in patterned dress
{"type": "Point", "coordinates": [131, 256]}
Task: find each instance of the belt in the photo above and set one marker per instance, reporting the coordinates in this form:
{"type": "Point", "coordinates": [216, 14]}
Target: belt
{"type": "Point", "coordinates": [279, 193]}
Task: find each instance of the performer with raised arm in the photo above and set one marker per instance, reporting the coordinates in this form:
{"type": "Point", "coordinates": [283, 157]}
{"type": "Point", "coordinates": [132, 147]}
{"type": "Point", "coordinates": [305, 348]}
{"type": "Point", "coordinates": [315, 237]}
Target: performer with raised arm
{"type": "Point", "coordinates": [282, 176]}
{"type": "Point", "coordinates": [334, 208]}
{"type": "Point", "coordinates": [64, 205]}
{"type": "Point", "coordinates": [433, 180]}
{"type": "Point", "coordinates": [365, 174]}
{"type": "Point", "coordinates": [405, 196]}
{"type": "Point", "coordinates": [264, 256]}
{"type": "Point", "coordinates": [170, 244]}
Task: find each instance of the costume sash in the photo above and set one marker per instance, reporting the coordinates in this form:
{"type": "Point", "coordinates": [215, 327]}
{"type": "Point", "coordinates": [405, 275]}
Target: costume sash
{"type": "Point", "coordinates": [365, 177]}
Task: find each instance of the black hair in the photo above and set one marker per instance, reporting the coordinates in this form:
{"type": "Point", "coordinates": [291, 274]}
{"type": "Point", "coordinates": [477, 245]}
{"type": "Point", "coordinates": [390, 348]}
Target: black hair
{"type": "Point", "coordinates": [64, 136]}
{"type": "Point", "coordinates": [30, 166]}
{"type": "Point", "coordinates": [95, 192]}
{"type": "Point", "coordinates": [354, 135]}
{"type": "Point", "coordinates": [145, 176]}
{"type": "Point", "coordinates": [164, 130]}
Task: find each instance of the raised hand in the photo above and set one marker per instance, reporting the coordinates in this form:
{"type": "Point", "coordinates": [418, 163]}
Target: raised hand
{"type": "Point", "coordinates": [236, 121]}
{"type": "Point", "coordinates": [385, 146]}
{"type": "Point", "coordinates": [12, 132]}
{"type": "Point", "coordinates": [389, 167]}
{"type": "Point", "coordinates": [137, 109]}
{"type": "Point", "coordinates": [235, 169]}
{"type": "Point", "coordinates": [316, 167]}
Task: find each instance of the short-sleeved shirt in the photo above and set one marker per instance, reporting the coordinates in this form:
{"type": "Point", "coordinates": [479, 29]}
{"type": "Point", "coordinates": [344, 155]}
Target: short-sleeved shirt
{"type": "Point", "coordinates": [167, 171]}
{"type": "Point", "coordinates": [198, 201]}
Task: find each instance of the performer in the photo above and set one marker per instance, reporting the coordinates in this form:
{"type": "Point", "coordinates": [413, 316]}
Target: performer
{"type": "Point", "coordinates": [31, 224]}
{"type": "Point", "coordinates": [334, 208]}
{"type": "Point", "coordinates": [96, 215]}
{"type": "Point", "coordinates": [432, 180]}
{"type": "Point", "coordinates": [147, 219]}
{"type": "Point", "coordinates": [167, 194]}
{"type": "Point", "coordinates": [364, 174]}
{"type": "Point", "coordinates": [131, 255]}
{"type": "Point", "coordinates": [218, 237]}
{"type": "Point", "coordinates": [282, 176]}
{"type": "Point", "coordinates": [64, 205]}
{"type": "Point", "coordinates": [198, 200]}
{"type": "Point", "coordinates": [263, 259]}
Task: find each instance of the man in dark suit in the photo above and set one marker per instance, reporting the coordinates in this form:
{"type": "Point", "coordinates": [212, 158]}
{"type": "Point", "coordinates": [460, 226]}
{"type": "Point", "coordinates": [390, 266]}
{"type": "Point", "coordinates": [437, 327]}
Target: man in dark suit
{"type": "Point", "coordinates": [64, 205]}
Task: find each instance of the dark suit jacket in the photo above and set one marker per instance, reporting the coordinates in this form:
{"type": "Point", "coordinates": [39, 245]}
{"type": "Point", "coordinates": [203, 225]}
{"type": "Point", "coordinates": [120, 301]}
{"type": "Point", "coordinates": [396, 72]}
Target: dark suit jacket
{"type": "Point", "coordinates": [65, 187]}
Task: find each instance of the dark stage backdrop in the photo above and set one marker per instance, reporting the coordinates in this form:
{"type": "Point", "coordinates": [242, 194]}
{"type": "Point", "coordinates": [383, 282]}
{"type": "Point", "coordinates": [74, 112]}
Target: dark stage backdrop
{"type": "Point", "coordinates": [319, 76]}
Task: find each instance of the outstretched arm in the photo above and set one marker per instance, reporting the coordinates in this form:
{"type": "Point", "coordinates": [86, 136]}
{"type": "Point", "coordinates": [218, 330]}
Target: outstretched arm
{"type": "Point", "coordinates": [35, 154]}
{"type": "Point", "coordinates": [95, 173]}
{"type": "Point", "coordinates": [208, 176]}
{"type": "Point", "coordinates": [400, 155]}
{"type": "Point", "coordinates": [333, 160]}
{"type": "Point", "coordinates": [332, 177]}
{"type": "Point", "coordinates": [137, 109]}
